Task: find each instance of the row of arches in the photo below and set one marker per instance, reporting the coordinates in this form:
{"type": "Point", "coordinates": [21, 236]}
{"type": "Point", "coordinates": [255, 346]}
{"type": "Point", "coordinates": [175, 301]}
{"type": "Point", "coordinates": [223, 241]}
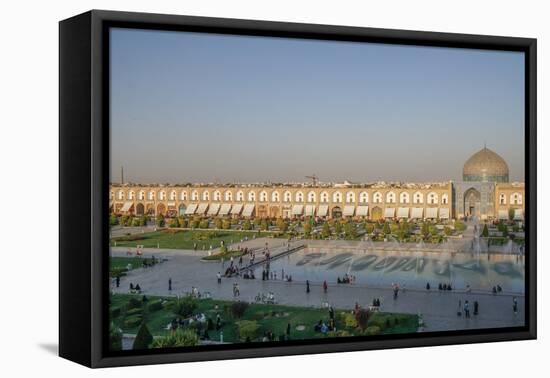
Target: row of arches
{"type": "Point", "coordinates": [514, 198]}
{"type": "Point", "coordinates": [287, 196]}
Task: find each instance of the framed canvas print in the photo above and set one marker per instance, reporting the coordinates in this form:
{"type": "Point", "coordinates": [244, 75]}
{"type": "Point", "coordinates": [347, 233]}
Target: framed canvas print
{"type": "Point", "coordinates": [234, 188]}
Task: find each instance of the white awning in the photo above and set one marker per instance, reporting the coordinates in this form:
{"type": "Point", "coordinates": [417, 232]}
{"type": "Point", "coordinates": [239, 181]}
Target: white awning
{"type": "Point", "coordinates": [444, 213]}
{"type": "Point", "coordinates": [348, 211]}
{"type": "Point", "coordinates": [202, 208]}
{"type": "Point", "coordinates": [431, 212]}
{"type": "Point", "coordinates": [224, 210]}
{"type": "Point", "coordinates": [389, 212]}
{"type": "Point", "coordinates": [297, 209]}
{"type": "Point", "coordinates": [310, 210]}
{"type": "Point", "coordinates": [417, 213]}
{"type": "Point", "coordinates": [171, 204]}
{"type": "Point", "coordinates": [110, 204]}
{"type": "Point", "coordinates": [362, 211]}
{"type": "Point", "coordinates": [503, 214]}
{"type": "Point", "coordinates": [403, 212]}
{"type": "Point", "coordinates": [236, 210]}
{"type": "Point", "coordinates": [322, 211]}
{"type": "Point", "coordinates": [191, 209]}
{"type": "Point", "coordinates": [127, 205]}
{"type": "Point", "coordinates": [213, 209]}
{"type": "Point", "coordinates": [248, 209]}
{"type": "Point", "coordinates": [518, 214]}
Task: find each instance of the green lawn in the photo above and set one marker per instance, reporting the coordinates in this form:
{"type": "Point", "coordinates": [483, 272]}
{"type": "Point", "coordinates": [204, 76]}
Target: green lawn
{"type": "Point", "coordinates": [272, 318]}
{"type": "Point", "coordinates": [118, 263]}
{"type": "Point", "coordinates": [183, 239]}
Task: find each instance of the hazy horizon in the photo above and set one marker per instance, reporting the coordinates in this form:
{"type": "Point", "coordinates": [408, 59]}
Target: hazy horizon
{"type": "Point", "coordinates": [188, 107]}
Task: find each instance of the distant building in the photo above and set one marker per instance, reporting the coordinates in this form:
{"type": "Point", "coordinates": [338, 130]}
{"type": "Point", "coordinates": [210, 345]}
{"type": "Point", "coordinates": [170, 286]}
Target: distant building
{"type": "Point", "coordinates": [484, 193]}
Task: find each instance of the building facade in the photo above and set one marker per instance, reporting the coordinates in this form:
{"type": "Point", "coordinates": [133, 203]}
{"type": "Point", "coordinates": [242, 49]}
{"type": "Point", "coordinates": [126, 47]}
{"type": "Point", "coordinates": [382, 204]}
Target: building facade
{"type": "Point", "coordinates": [484, 192]}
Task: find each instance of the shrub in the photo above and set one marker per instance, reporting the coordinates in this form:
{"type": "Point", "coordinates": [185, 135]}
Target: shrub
{"type": "Point", "coordinates": [133, 303]}
{"type": "Point", "coordinates": [218, 223]}
{"type": "Point", "coordinates": [248, 329]}
{"type": "Point", "coordinates": [373, 330]}
{"type": "Point", "coordinates": [204, 223]}
{"type": "Point", "coordinates": [124, 220]}
{"type": "Point", "coordinates": [184, 306]}
{"type": "Point", "coordinates": [307, 229]}
{"type": "Point", "coordinates": [325, 230]}
{"type": "Point", "coordinates": [174, 223]}
{"type": "Point", "coordinates": [115, 337]}
{"type": "Point", "coordinates": [282, 225]}
{"type": "Point", "coordinates": [183, 222]}
{"type": "Point", "coordinates": [155, 306]}
{"type": "Point", "coordinates": [238, 309]}
{"type": "Point", "coordinates": [369, 227]}
{"type": "Point", "coordinates": [247, 225]}
{"type": "Point", "coordinates": [115, 312]}
{"type": "Point", "coordinates": [485, 232]}
{"type": "Point", "coordinates": [133, 311]}
{"type": "Point", "coordinates": [143, 338]}
{"type": "Point", "coordinates": [132, 321]}
{"type": "Point", "coordinates": [460, 226]}
{"type": "Point", "coordinates": [179, 338]}
{"type": "Point", "coordinates": [226, 224]}
{"type": "Point", "coordinates": [349, 320]}
{"type": "Point", "coordinates": [386, 229]}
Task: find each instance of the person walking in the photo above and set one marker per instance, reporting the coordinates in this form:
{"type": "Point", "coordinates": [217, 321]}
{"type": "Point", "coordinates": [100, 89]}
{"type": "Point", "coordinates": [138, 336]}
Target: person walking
{"type": "Point", "coordinates": [307, 286]}
{"type": "Point", "coordinates": [117, 281]}
{"type": "Point", "coordinates": [170, 284]}
{"type": "Point", "coordinates": [466, 309]}
{"type": "Point", "coordinates": [515, 305]}
{"type": "Point", "coordinates": [325, 287]}
{"type": "Point", "coordinates": [476, 308]}
{"type": "Point", "coordinates": [219, 276]}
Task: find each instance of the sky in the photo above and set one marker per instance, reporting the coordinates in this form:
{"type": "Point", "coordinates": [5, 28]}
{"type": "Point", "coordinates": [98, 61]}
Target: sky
{"type": "Point", "coordinates": [193, 107]}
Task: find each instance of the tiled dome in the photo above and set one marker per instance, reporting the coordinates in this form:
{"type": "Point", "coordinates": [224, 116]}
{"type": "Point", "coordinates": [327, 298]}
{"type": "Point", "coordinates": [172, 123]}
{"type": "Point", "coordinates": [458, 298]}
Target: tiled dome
{"type": "Point", "coordinates": [485, 165]}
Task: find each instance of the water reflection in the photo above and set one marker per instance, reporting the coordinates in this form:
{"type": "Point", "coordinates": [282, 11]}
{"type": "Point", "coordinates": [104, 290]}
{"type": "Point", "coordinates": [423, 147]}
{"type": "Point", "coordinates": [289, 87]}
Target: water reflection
{"type": "Point", "coordinates": [413, 269]}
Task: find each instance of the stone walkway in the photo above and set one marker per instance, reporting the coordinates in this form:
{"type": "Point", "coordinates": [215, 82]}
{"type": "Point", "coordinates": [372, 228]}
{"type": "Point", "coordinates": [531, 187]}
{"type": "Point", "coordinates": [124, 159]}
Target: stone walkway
{"type": "Point", "coordinates": [437, 308]}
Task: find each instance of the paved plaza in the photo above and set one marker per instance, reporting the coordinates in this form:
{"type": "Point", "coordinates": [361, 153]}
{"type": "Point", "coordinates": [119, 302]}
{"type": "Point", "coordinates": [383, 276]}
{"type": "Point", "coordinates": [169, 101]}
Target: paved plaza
{"type": "Point", "coordinates": [438, 309]}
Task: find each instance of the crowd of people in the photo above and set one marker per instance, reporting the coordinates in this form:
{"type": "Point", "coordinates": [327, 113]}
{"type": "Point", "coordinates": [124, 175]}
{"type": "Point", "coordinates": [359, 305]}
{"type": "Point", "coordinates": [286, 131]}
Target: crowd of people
{"type": "Point", "coordinates": [347, 279]}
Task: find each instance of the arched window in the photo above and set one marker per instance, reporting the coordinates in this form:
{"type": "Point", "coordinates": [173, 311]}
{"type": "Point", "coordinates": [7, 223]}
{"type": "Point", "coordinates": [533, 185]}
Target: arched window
{"type": "Point", "coordinates": [363, 197]}
{"type": "Point", "coordinates": [324, 197]}
{"type": "Point", "coordinates": [112, 195]}
{"type": "Point", "coordinates": [418, 197]}
{"type": "Point", "coordinates": [183, 195]}
{"type": "Point", "coordinates": [404, 197]}
{"type": "Point", "coordinates": [228, 195]}
{"type": "Point", "coordinates": [445, 199]}
{"type": "Point", "coordinates": [350, 197]}
{"type": "Point", "coordinates": [206, 195]}
{"type": "Point", "coordinates": [173, 195]}
{"type": "Point", "coordinates": [287, 197]}
{"type": "Point", "coordinates": [252, 196]}
{"type": "Point", "coordinates": [299, 197]}
{"type": "Point", "coordinates": [141, 195]}
{"type": "Point", "coordinates": [151, 195]}
{"type": "Point", "coordinates": [162, 195]}
{"type": "Point", "coordinates": [120, 195]}
{"type": "Point", "coordinates": [195, 195]}
{"type": "Point", "coordinates": [377, 197]}
{"type": "Point", "coordinates": [240, 196]}
{"type": "Point", "coordinates": [502, 199]}
{"type": "Point", "coordinates": [311, 197]}
{"type": "Point", "coordinates": [131, 195]}
{"type": "Point", "coordinates": [263, 196]}
{"type": "Point", "coordinates": [217, 195]}
{"type": "Point", "coordinates": [433, 198]}
{"type": "Point", "coordinates": [390, 197]}
{"type": "Point", "coordinates": [516, 199]}
{"type": "Point", "coordinates": [337, 197]}
{"type": "Point", "coordinates": [275, 197]}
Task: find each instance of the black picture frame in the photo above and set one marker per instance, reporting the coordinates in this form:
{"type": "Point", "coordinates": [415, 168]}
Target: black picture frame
{"type": "Point", "coordinates": [84, 184]}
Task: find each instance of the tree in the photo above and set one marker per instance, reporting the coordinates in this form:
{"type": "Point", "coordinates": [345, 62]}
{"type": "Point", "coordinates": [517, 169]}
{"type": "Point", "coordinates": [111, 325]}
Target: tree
{"type": "Point", "coordinates": [218, 223]}
{"type": "Point", "coordinates": [238, 309]}
{"type": "Point", "coordinates": [325, 230]}
{"type": "Point", "coordinates": [226, 224]}
{"type": "Point", "coordinates": [113, 220]}
{"type": "Point", "coordinates": [511, 213]}
{"type": "Point", "coordinates": [115, 337]}
{"type": "Point", "coordinates": [248, 329]}
{"type": "Point", "coordinates": [282, 225]}
{"type": "Point", "coordinates": [247, 225]}
{"type": "Point", "coordinates": [386, 229]}
{"type": "Point", "coordinates": [362, 317]}
{"type": "Point", "coordinates": [350, 231]}
{"type": "Point", "coordinates": [184, 306]}
{"type": "Point", "coordinates": [485, 232]}
{"type": "Point", "coordinates": [369, 227]}
{"type": "Point", "coordinates": [183, 222]}
{"type": "Point", "coordinates": [425, 229]}
{"type": "Point", "coordinates": [204, 223]}
{"type": "Point", "coordinates": [337, 227]}
{"type": "Point", "coordinates": [160, 220]}
{"type": "Point", "coordinates": [143, 338]}
{"type": "Point", "coordinates": [174, 223]}
{"type": "Point", "coordinates": [264, 225]}
{"type": "Point", "coordinates": [179, 338]}
{"type": "Point", "coordinates": [307, 229]}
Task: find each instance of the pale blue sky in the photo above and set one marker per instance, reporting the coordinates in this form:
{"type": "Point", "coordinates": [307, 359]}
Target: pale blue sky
{"type": "Point", "coordinates": [189, 107]}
